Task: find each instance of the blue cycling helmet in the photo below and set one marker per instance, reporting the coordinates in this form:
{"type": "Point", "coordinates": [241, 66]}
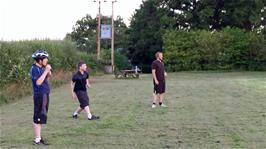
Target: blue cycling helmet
{"type": "Point", "coordinates": [40, 54]}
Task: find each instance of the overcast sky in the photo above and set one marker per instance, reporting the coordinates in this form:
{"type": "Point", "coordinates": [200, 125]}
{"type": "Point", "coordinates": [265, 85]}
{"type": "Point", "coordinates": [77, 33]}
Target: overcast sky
{"type": "Point", "coordinates": [29, 19]}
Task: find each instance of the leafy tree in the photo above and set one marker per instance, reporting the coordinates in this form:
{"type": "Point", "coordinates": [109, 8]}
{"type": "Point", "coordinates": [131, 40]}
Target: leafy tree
{"type": "Point", "coordinates": [149, 23]}
{"type": "Point", "coordinates": [145, 34]}
{"type": "Point", "coordinates": [215, 14]}
{"type": "Point", "coordinates": [85, 32]}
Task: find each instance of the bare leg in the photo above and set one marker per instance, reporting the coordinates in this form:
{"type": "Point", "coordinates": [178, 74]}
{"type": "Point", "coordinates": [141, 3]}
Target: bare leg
{"type": "Point", "coordinates": [79, 109]}
{"type": "Point", "coordinates": [155, 98]}
{"type": "Point", "coordinates": [87, 109]}
{"type": "Point", "coordinates": [37, 130]}
{"type": "Point", "coordinates": [161, 97]}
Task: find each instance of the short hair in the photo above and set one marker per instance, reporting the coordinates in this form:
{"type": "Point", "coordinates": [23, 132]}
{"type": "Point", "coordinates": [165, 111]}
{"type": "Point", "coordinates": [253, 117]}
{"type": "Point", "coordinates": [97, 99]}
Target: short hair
{"type": "Point", "coordinates": [157, 54]}
{"type": "Point", "coordinates": [81, 63]}
{"type": "Point", "coordinates": [38, 59]}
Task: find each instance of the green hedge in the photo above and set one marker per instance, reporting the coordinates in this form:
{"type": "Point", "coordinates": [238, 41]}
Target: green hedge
{"type": "Point", "coordinates": [228, 49]}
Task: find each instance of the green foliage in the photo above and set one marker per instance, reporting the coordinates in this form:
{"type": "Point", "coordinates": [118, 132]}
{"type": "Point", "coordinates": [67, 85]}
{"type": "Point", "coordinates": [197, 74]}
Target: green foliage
{"type": "Point", "coordinates": [219, 50]}
{"type": "Point", "coordinates": [149, 23]}
{"type": "Point", "coordinates": [85, 32]}
{"type": "Point", "coordinates": [16, 58]}
{"type": "Point", "coordinates": [121, 34]}
{"type": "Point", "coordinates": [90, 60]}
{"type": "Point", "coordinates": [16, 61]}
{"type": "Point", "coordinates": [145, 35]}
{"type": "Point", "coordinates": [13, 63]}
{"type": "Point", "coordinates": [120, 60]}
{"type": "Point", "coordinates": [210, 14]}
{"type": "Point", "coordinates": [105, 57]}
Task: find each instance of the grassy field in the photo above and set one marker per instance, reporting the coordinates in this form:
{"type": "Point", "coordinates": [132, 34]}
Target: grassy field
{"type": "Point", "coordinates": [205, 110]}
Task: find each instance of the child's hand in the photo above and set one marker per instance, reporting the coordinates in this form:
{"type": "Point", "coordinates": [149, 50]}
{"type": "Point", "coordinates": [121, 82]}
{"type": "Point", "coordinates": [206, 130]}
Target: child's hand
{"type": "Point", "coordinates": [156, 82]}
{"type": "Point", "coordinates": [48, 68]}
{"type": "Point", "coordinates": [89, 85]}
{"type": "Point", "coordinates": [74, 96]}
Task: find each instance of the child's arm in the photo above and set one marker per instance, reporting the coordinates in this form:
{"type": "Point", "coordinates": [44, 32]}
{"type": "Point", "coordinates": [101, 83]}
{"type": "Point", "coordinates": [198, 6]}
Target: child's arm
{"type": "Point", "coordinates": [88, 83]}
{"type": "Point", "coordinates": [72, 84]}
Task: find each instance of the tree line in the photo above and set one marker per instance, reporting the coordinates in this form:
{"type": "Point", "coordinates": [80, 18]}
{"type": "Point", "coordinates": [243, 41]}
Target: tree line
{"type": "Point", "coordinates": [156, 19]}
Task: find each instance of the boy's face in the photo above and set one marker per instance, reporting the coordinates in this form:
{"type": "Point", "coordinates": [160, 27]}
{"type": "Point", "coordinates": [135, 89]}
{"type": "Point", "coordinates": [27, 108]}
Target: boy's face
{"type": "Point", "coordinates": [161, 56]}
{"type": "Point", "coordinates": [83, 67]}
{"type": "Point", "coordinates": [45, 61]}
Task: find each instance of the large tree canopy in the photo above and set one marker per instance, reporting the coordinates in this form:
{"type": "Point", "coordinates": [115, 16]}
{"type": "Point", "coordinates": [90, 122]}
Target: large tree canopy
{"type": "Point", "coordinates": [145, 34]}
{"type": "Point", "coordinates": [215, 14]}
{"type": "Point", "coordinates": [148, 24]}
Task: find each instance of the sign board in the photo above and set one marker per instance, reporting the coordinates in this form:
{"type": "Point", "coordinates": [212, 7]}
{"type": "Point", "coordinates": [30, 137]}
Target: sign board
{"type": "Point", "coordinates": [106, 32]}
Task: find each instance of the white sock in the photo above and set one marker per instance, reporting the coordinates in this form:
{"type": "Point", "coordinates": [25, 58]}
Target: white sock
{"type": "Point", "coordinates": [89, 115]}
{"type": "Point", "coordinates": [75, 113]}
{"type": "Point", "coordinates": [38, 139]}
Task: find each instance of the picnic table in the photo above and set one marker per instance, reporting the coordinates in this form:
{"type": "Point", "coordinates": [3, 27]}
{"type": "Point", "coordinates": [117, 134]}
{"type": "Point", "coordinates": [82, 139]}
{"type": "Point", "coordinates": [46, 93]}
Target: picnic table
{"type": "Point", "coordinates": [127, 73]}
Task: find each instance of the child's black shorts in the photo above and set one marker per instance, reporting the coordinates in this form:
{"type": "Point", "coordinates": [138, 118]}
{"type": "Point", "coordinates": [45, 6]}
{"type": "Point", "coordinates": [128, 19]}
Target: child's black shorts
{"type": "Point", "coordinates": [41, 104]}
{"type": "Point", "coordinates": [83, 98]}
{"type": "Point", "coordinates": [159, 88]}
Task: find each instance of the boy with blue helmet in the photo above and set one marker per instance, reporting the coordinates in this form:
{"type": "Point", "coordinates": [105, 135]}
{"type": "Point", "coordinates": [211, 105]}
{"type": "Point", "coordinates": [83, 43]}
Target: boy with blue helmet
{"type": "Point", "coordinates": [40, 72]}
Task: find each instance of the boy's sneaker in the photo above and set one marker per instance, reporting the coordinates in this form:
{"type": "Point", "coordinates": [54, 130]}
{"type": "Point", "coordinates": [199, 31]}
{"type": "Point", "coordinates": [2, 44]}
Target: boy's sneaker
{"type": "Point", "coordinates": [74, 116]}
{"type": "Point", "coordinates": [153, 106]}
{"type": "Point", "coordinates": [93, 117]}
{"type": "Point", "coordinates": [40, 143]}
{"type": "Point", "coordinates": [163, 105]}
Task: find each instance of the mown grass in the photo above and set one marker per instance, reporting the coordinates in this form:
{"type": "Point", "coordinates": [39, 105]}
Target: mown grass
{"type": "Point", "coordinates": [206, 110]}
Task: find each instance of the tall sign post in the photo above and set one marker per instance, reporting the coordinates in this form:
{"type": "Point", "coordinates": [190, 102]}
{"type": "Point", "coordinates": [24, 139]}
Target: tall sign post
{"type": "Point", "coordinates": [113, 35]}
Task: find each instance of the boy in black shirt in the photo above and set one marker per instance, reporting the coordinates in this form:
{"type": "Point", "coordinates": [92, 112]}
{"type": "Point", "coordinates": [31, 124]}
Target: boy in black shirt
{"type": "Point", "coordinates": [158, 75]}
{"type": "Point", "coordinates": [79, 85]}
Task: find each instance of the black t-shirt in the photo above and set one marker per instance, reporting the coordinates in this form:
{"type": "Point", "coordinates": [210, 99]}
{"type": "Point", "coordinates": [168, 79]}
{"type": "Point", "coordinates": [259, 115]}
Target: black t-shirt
{"type": "Point", "coordinates": [80, 81]}
{"type": "Point", "coordinates": [159, 69]}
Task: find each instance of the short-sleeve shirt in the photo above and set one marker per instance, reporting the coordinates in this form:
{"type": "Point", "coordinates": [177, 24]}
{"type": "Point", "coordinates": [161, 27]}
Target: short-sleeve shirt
{"type": "Point", "coordinates": [80, 81]}
{"type": "Point", "coordinates": [35, 74]}
{"type": "Point", "coordinates": [159, 69]}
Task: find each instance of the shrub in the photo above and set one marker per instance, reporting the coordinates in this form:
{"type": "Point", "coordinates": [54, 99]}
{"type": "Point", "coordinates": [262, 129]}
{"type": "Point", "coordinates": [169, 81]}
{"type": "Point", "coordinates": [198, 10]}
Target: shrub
{"type": "Point", "coordinates": [120, 60]}
{"type": "Point", "coordinates": [228, 49]}
{"type": "Point", "coordinates": [16, 62]}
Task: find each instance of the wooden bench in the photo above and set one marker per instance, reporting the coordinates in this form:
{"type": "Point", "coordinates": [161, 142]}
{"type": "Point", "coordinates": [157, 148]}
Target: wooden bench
{"type": "Point", "coordinates": [126, 74]}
